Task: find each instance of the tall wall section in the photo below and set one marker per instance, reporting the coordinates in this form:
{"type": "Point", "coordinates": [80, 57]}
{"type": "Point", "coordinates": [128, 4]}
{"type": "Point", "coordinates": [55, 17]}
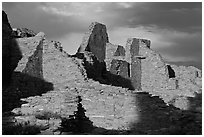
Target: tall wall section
{"type": "Point", "coordinates": [95, 41]}
{"type": "Point", "coordinates": [154, 70]}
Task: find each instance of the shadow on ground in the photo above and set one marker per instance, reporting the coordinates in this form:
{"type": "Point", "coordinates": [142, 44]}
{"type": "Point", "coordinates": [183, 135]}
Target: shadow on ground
{"type": "Point", "coordinates": [20, 130]}
{"type": "Point", "coordinates": [22, 86]}
{"type": "Point", "coordinates": [156, 118]}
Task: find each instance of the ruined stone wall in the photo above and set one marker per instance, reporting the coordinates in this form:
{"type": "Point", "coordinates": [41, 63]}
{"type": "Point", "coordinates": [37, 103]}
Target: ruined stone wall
{"type": "Point", "coordinates": [32, 50]}
{"type": "Point", "coordinates": [132, 57]}
{"type": "Point", "coordinates": [113, 52]}
{"type": "Point", "coordinates": [27, 78]}
{"type": "Point", "coordinates": [120, 67]}
{"type": "Point", "coordinates": [95, 41]}
{"type": "Point", "coordinates": [114, 108]}
{"type": "Point", "coordinates": [189, 78]}
{"type": "Point", "coordinates": [110, 51]}
{"type": "Point", "coordinates": [120, 51]}
{"type": "Point", "coordinates": [154, 70]}
{"type": "Point", "coordinates": [147, 70]}
{"type": "Point", "coordinates": [58, 67]}
{"type": "Point", "coordinates": [94, 68]}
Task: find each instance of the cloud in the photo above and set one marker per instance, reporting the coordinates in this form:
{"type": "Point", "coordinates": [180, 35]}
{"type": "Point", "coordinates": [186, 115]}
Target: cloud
{"type": "Point", "coordinates": [71, 42]}
{"type": "Point", "coordinates": [173, 45]}
{"type": "Point", "coordinates": [174, 28]}
{"type": "Point", "coordinates": [32, 15]}
{"type": "Point", "coordinates": [177, 16]}
{"type": "Point", "coordinates": [73, 9]}
{"type": "Point", "coordinates": [184, 46]}
{"type": "Point", "coordinates": [125, 4]}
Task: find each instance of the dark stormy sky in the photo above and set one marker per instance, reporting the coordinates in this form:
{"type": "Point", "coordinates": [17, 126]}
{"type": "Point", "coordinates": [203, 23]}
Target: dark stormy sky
{"type": "Point", "coordinates": [175, 29]}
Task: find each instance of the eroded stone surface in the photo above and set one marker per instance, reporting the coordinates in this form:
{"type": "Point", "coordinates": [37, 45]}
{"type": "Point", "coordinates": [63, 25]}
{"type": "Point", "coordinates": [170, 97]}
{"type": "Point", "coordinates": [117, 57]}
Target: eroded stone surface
{"type": "Point", "coordinates": [32, 50]}
{"type": "Point", "coordinates": [120, 67]}
{"type": "Point", "coordinates": [154, 70]}
{"type": "Point", "coordinates": [58, 67]}
{"type": "Point", "coordinates": [133, 49]}
{"type": "Point", "coordinates": [95, 41]}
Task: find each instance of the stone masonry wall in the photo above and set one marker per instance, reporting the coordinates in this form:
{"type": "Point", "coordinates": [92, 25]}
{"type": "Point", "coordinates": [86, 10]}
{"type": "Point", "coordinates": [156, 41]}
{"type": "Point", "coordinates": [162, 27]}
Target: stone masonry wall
{"type": "Point", "coordinates": [147, 69]}
{"type": "Point", "coordinates": [120, 51]}
{"type": "Point", "coordinates": [148, 72]}
{"type": "Point", "coordinates": [189, 78]}
{"type": "Point", "coordinates": [120, 67]}
{"type": "Point", "coordinates": [34, 64]}
{"type": "Point", "coordinates": [94, 68]}
{"type": "Point", "coordinates": [31, 62]}
{"type": "Point", "coordinates": [132, 48]}
{"type": "Point", "coordinates": [113, 52]}
{"type": "Point", "coordinates": [110, 51]}
{"type": "Point", "coordinates": [114, 107]}
{"type": "Point", "coordinates": [154, 70]}
{"type": "Point", "coordinates": [27, 78]}
{"type": "Point", "coordinates": [95, 41]}
{"type": "Point", "coordinates": [59, 68]}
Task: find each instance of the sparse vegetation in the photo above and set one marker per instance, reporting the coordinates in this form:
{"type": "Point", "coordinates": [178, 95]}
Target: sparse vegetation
{"type": "Point", "coordinates": [21, 129]}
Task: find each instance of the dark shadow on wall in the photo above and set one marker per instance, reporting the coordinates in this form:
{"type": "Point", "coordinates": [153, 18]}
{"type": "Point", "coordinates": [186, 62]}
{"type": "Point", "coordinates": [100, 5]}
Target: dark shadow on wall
{"type": "Point", "coordinates": [22, 86]}
{"type": "Point", "coordinates": [11, 55]}
{"type": "Point", "coordinates": [171, 72]}
{"type": "Point", "coordinates": [97, 71]}
{"type": "Point", "coordinates": [116, 80]}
